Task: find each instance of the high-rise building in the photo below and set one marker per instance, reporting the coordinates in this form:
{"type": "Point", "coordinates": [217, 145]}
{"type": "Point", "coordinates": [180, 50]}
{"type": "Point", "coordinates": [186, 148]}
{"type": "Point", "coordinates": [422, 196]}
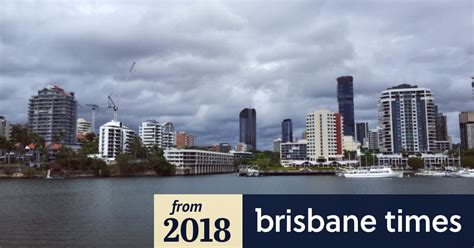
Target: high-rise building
{"type": "Point", "coordinates": [373, 139]}
{"type": "Point", "coordinates": [52, 114]}
{"type": "Point", "coordinates": [286, 131]}
{"type": "Point", "coordinates": [466, 125]}
{"type": "Point", "coordinates": [407, 119]}
{"type": "Point", "coordinates": [362, 132]}
{"type": "Point", "coordinates": [276, 145]}
{"type": "Point", "coordinates": [325, 135]}
{"type": "Point", "coordinates": [441, 127]}
{"type": "Point", "coordinates": [5, 129]}
{"type": "Point", "coordinates": [184, 140]}
{"type": "Point", "coordinates": [152, 133]}
{"type": "Point", "coordinates": [248, 127]}
{"type": "Point", "coordinates": [345, 99]}
{"type": "Point", "coordinates": [114, 138]}
{"type": "Point", "coordinates": [169, 135]}
{"type": "Point", "coordinates": [83, 127]}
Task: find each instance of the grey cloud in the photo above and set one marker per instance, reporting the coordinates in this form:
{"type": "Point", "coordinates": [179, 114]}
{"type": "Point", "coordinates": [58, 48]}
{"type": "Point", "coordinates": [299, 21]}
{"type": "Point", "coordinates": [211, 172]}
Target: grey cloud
{"type": "Point", "coordinates": [198, 64]}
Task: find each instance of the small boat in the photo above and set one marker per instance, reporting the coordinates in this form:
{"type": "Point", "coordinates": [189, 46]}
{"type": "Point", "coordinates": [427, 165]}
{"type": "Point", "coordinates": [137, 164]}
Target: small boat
{"type": "Point", "coordinates": [431, 173]}
{"type": "Point", "coordinates": [371, 172]}
{"type": "Point", "coordinates": [252, 172]}
{"type": "Point", "coordinates": [48, 175]}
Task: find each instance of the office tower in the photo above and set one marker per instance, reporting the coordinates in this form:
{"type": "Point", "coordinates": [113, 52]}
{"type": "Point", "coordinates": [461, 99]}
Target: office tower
{"type": "Point", "coordinates": [52, 114]}
{"type": "Point", "coordinates": [345, 99]}
{"type": "Point", "coordinates": [248, 127]}
{"type": "Point", "coordinates": [325, 135]}
{"type": "Point", "coordinates": [5, 128]}
{"type": "Point", "coordinates": [184, 140]}
{"type": "Point", "coordinates": [441, 127]}
{"type": "Point", "coordinates": [374, 139]}
{"type": "Point", "coordinates": [362, 132]}
{"type": "Point", "coordinates": [407, 120]}
{"type": "Point", "coordinates": [276, 145]}
{"type": "Point", "coordinates": [286, 131]}
{"type": "Point", "coordinates": [83, 127]}
{"type": "Point", "coordinates": [114, 139]}
{"type": "Point", "coordinates": [466, 125]}
{"type": "Point", "coordinates": [153, 133]}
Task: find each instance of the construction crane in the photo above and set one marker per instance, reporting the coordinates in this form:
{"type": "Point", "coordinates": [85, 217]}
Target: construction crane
{"type": "Point", "coordinates": [93, 107]}
{"type": "Point", "coordinates": [111, 104]}
{"type": "Point", "coordinates": [131, 70]}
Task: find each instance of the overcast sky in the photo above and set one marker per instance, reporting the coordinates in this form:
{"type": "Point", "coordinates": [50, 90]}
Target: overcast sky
{"type": "Point", "coordinates": [199, 64]}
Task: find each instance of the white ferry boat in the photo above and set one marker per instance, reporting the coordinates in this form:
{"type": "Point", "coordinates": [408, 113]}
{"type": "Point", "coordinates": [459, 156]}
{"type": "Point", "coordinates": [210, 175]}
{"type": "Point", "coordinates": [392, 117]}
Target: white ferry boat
{"type": "Point", "coordinates": [371, 172]}
{"type": "Point", "coordinates": [431, 173]}
{"type": "Point", "coordinates": [463, 173]}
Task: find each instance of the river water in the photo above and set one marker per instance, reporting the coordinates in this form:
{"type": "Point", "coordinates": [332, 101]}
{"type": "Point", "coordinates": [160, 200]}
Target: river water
{"type": "Point", "coordinates": [118, 212]}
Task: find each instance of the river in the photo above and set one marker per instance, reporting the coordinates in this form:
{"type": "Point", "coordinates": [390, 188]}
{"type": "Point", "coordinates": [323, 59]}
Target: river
{"type": "Point", "coordinates": [118, 212]}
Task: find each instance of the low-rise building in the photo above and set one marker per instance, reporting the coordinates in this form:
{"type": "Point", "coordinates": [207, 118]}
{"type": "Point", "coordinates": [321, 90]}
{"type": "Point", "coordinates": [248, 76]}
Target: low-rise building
{"type": "Point", "coordinates": [430, 160]}
{"type": "Point", "coordinates": [222, 147]}
{"type": "Point", "coordinates": [193, 162]}
{"type": "Point", "coordinates": [293, 151]}
{"type": "Point", "coordinates": [239, 156]}
{"type": "Point", "coordinates": [242, 147]}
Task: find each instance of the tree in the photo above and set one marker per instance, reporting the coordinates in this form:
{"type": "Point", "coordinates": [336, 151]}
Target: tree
{"type": "Point", "coordinates": [367, 159]}
{"type": "Point", "coordinates": [137, 148]}
{"type": "Point", "coordinates": [20, 135]}
{"type": "Point", "coordinates": [89, 144]}
{"type": "Point", "coordinates": [155, 151]}
{"type": "Point", "coordinates": [416, 163]}
{"type": "Point", "coordinates": [161, 166]}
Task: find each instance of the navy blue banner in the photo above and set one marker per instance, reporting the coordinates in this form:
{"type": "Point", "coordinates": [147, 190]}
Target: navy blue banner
{"type": "Point", "coordinates": [359, 221]}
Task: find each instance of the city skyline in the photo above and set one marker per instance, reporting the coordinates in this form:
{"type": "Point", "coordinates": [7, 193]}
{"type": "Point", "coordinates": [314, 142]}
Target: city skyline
{"type": "Point", "coordinates": [201, 82]}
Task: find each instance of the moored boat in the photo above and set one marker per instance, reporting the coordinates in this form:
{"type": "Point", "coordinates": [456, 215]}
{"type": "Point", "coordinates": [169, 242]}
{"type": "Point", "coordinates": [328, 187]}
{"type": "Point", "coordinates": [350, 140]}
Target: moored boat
{"type": "Point", "coordinates": [431, 173]}
{"type": "Point", "coordinates": [371, 172]}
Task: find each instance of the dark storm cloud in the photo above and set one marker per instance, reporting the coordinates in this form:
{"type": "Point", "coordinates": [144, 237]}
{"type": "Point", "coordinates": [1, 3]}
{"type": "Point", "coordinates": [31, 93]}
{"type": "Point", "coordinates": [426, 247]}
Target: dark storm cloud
{"type": "Point", "coordinates": [198, 64]}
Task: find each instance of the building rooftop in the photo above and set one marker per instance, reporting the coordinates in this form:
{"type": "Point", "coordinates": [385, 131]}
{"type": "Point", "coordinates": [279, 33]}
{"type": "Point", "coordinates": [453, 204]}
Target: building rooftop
{"type": "Point", "coordinates": [403, 86]}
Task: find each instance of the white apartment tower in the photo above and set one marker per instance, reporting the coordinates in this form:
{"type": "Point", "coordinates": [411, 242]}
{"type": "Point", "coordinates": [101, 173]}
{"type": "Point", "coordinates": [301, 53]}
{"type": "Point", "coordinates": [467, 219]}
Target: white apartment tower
{"type": "Point", "coordinates": [325, 136]}
{"type": "Point", "coordinates": [83, 127]}
{"type": "Point", "coordinates": [152, 133]}
{"type": "Point", "coordinates": [407, 120]}
{"type": "Point", "coordinates": [114, 138]}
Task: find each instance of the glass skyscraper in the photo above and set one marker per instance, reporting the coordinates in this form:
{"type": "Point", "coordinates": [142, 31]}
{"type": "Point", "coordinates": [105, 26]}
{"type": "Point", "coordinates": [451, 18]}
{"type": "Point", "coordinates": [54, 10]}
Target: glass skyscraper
{"type": "Point", "coordinates": [286, 131]}
{"type": "Point", "coordinates": [345, 99]}
{"type": "Point", "coordinates": [248, 127]}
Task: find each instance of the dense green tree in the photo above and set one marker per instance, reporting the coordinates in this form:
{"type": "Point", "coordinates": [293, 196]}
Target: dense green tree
{"type": "Point", "coordinates": [416, 163]}
{"type": "Point", "coordinates": [89, 144]}
{"type": "Point", "coordinates": [161, 166]}
{"type": "Point", "coordinates": [137, 149]}
{"type": "Point", "coordinates": [368, 159]}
